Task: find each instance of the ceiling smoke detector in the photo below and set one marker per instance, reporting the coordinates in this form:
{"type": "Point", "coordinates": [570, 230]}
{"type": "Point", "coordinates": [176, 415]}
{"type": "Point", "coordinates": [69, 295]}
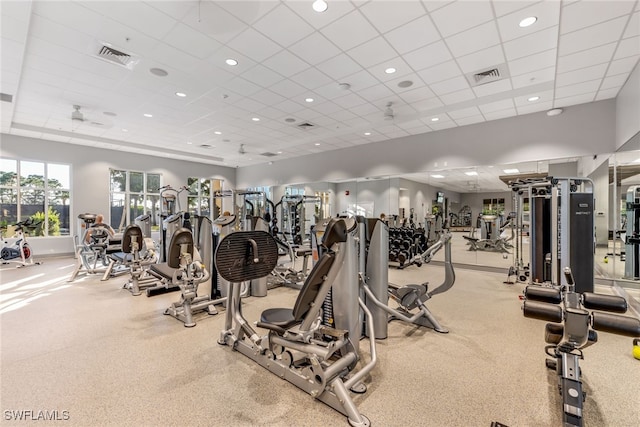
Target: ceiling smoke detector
{"type": "Point", "coordinates": [388, 112]}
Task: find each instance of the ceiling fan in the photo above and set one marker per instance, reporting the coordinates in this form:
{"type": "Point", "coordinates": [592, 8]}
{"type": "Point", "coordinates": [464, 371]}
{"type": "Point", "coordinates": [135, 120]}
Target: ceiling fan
{"type": "Point", "coordinates": [388, 112]}
{"type": "Point", "coordinates": [241, 150]}
{"type": "Point", "coordinates": [78, 117]}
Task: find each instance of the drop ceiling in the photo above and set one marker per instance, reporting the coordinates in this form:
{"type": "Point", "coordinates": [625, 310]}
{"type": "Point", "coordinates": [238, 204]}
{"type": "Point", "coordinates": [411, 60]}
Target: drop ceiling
{"type": "Point", "coordinates": [576, 52]}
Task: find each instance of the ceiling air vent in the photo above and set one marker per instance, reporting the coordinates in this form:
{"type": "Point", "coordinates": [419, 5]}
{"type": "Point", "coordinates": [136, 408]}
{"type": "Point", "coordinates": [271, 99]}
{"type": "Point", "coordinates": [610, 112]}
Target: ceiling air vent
{"type": "Point", "coordinates": [268, 154]}
{"type": "Point", "coordinates": [489, 75]}
{"type": "Point", "coordinates": [306, 125]}
{"type": "Point", "coordinates": [114, 56]}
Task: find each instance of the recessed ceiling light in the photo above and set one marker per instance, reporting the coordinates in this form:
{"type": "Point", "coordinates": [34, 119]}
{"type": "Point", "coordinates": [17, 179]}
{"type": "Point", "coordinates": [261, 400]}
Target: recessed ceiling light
{"type": "Point", "coordinates": [437, 176]}
{"type": "Point", "coordinates": [390, 70]}
{"type": "Point", "coordinates": [189, 143]}
{"type": "Point", "coordinates": [309, 100]}
{"type": "Point", "coordinates": [320, 6]}
{"type": "Point", "coordinates": [124, 130]}
{"type": "Point", "coordinates": [435, 119]}
{"type": "Point", "coordinates": [471, 173]}
{"type": "Point", "coordinates": [270, 163]}
{"type": "Point", "coordinates": [181, 94]}
{"type": "Point", "coordinates": [231, 62]}
{"type": "Point", "coordinates": [279, 152]}
{"type": "Point", "coordinates": [510, 170]}
{"type": "Point", "coordinates": [218, 132]}
{"type": "Point", "coordinates": [148, 115]}
{"type": "Point", "coordinates": [255, 119]}
{"type": "Point", "coordinates": [159, 72]}
{"type": "Point", "coordinates": [533, 98]}
{"type": "Point", "coordinates": [554, 112]}
{"type": "Point", "coordinates": [528, 21]}
{"type": "Point", "coordinates": [316, 144]}
{"type": "Point", "coordinates": [367, 133]}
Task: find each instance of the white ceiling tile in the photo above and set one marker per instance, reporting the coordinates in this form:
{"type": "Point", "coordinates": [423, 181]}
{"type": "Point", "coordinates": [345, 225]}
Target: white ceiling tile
{"type": "Point", "coordinates": [614, 82]}
{"type": "Point", "coordinates": [155, 23]}
{"type": "Point", "coordinates": [460, 16]}
{"type": "Point", "coordinates": [470, 120]}
{"type": "Point", "coordinates": [289, 107]}
{"type": "Point", "coordinates": [586, 58]}
{"type": "Point", "coordinates": [286, 63]}
{"type": "Point", "coordinates": [249, 105]}
{"type": "Point", "coordinates": [360, 80]}
{"type": "Point", "coordinates": [590, 37]}
{"type": "Point", "coordinates": [450, 85]}
{"type": "Point", "coordinates": [574, 100]}
{"type": "Point", "coordinates": [219, 57]}
{"type": "Point", "coordinates": [621, 66]}
{"type": "Point", "coordinates": [459, 96]}
{"type": "Point", "coordinates": [501, 114]}
{"type": "Point", "coordinates": [545, 96]}
{"type": "Point", "coordinates": [372, 52]}
{"type": "Point", "coordinates": [534, 62]}
{"type": "Point", "coordinates": [443, 125]}
{"type": "Point", "coordinates": [315, 49]}
{"type": "Point", "coordinates": [534, 78]}
{"type": "Point", "coordinates": [502, 7]}
{"type": "Point", "coordinates": [248, 11]}
{"type": "Point", "coordinates": [480, 60]}
{"type": "Point", "coordinates": [176, 9]}
{"type": "Point", "coordinates": [287, 88]}
{"type": "Point", "coordinates": [496, 106]}
{"type": "Point", "coordinates": [375, 93]}
{"type": "Point", "coordinates": [271, 113]}
{"type": "Point", "coordinates": [191, 41]}
{"type": "Point", "coordinates": [411, 124]}
{"type": "Point", "coordinates": [464, 112]}
{"type": "Point", "coordinates": [582, 75]}
{"type": "Point", "coordinates": [326, 108]}
{"type": "Point", "coordinates": [633, 27]}
{"type": "Point", "coordinates": [419, 130]}
{"type": "Point", "coordinates": [343, 115]}
{"type": "Point", "coordinates": [578, 89]}
{"type": "Point", "coordinates": [273, 26]}
{"type": "Point", "coordinates": [242, 86]}
{"type": "Point", "coordinates": [397, 133]}
{"type": "Point", "coordinates": [534, 108]}
{"type": "Point", "coordinates": [440, 72]}
{"type": "Point", "coordinates": [254, 45]}
{"type": "Point", "coordinates": [474, 39]}
{"type": "Point", "coordinates": [394, 84]}
{"type": "Point", "coordinates": [336, 10]}
{"type": "Point", "coordinates": [419, 94]}
{"type": "Point", "coordinates": [432, 5]}
{"type": "Point", "coordinates": [311, 78]}
{"type": "Point", "coordinates": [339, 66]}
{"type": "Point", "coordinates": [331, 91]}
{"type": "Point", "coordinates": [386, 15]}
{"type": "Point", "coordinates": [349, 100]}
{"type": "Point", "coordinates": [532, 43]}
{"type": "Point", "coordinates": [402, 69]}
{"type": "Point", "coordinates": [349, 31]}
{"type": "Point", "coordinates": [428, 56]}
{"type": "Point", "coordinates": [586, 13]}
{"type": "Point", "coordinates": [214, 21]}
{"type": "Point", "coordinates": [364, 109]}
{"type": "Point", "coordinates": [262, 76]}
{"type": "Point", "coordinates": [413, 35]}
{"type": "Point", "coordinates": [493, 88]}
{"type": "Point", "coordinates": [548, 14]}
{"type": "Point", "coordinates": [607, 94]}
{"type": "Point", "coordinates": [628, 47]}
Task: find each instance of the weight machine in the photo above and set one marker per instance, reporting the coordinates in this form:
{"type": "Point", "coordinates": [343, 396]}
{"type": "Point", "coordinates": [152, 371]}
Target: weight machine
{"type": "Point", "coordinates": [19, 251]}
{"type": "Point", "coordinates": [632, 237]}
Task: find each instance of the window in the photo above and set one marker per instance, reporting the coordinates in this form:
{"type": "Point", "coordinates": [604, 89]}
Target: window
{"type": "Point", "coordinates": [133, 194]}
{"type": "Point", "coordinates": [35, 190]}
{"type": "Point", "coordinates": [493, 206]}
{"type": "Point", "coordinates": [201, 200]}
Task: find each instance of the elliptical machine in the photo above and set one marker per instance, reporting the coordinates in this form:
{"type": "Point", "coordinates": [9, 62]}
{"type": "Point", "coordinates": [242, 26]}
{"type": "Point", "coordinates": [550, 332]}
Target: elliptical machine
{"type": "Point", "coordinates": [19, 252]}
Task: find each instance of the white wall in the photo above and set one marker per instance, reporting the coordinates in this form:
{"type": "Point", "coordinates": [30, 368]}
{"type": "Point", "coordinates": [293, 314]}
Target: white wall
{"type": "Point", "coordinates": [90, 176]}
{"type": "Point", "coordinates": [628, 109]}
{"type": "Point", "coordinates": [581, 130]}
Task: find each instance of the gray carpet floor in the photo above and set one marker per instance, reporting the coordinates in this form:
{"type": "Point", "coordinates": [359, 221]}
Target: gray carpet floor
{"type": "Point", "coordinates": [110, 359]}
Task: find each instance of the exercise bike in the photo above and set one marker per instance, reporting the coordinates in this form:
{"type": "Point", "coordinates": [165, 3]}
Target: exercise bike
{"type": "Point", "coordinates": [19, 252]}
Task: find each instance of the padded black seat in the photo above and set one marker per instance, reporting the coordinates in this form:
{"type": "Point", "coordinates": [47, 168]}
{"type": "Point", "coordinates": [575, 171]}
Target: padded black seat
{"type": "Point", "coordinates": [122, 257]}
{"type": "Point", "coordinates": [472, 239]}
{"type": "Point", "coordinates": [281, 317]}
{"type": "Point", "coordinates": [123, 253]}
{"type": "Point", "coordinates": [163, 270]}
{"type": "Point", "coordinates": [304, 252]}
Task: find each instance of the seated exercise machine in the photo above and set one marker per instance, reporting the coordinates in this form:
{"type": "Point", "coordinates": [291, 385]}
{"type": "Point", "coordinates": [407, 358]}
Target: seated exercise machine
{"type": "Point", "coordinates": [410, 298]}
{"type": "Point", "coordinates": [138, 253]}
{"type": "Point", "coordinates": [19, 252]}
{"type": "Point", "coordinates": [185, 270]}
{"type": "Point", "coordinates": [93, 248]}
{"type": "Point", "coordinates": [313, 345]}
{"type": "Point", "coordinates": [577, 330]}
{"type": "Point", "coordinates": [491, 239]}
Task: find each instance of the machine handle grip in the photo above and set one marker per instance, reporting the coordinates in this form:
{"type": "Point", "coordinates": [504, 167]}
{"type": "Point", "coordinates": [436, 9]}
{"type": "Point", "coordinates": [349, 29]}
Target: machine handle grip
{"type": "Point", "coordinates": [616, 324]}
{"type": "Point", "coordinates": [568, 275]}
{"type": "Point", "coordinates": [543, 294]}
{"type": "Point", "coordinates": [611, 303]}
{"type": "Point", "coordinates": [542, 311]}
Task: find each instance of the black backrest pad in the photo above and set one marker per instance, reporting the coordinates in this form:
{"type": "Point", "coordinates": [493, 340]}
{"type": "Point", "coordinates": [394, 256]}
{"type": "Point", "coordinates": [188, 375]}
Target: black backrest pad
{"type": "Point", "coordinates": [335, 232]}
{"type": "Point", "coordinates": [312, 285]}
{"type": "Point", "coordinates": [131, 231]}
{"type": "Point", "coordinates": [236, 253]}
{"type": "Point", "coordinates": [181, 237]}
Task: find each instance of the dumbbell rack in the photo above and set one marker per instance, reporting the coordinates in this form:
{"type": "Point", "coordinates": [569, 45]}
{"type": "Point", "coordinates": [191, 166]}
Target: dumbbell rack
{"type": "Point", "coordinates": [404, 244]}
